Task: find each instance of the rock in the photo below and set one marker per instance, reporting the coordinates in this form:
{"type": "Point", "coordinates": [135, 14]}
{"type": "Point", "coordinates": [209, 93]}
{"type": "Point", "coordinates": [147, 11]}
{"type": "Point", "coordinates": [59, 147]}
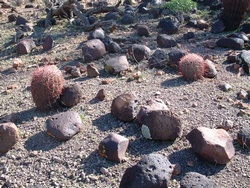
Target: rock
{"type": "Point", "coordinates": [226, 125]}
{"type": "Point", "coordinates": [159, 59]}
{"type": "Point", "coordinates": [93, 49]}
{"type": "Point", "coordinates": [92, 19]}
{"type": "Point", "coordinates": [123, 107]}
{"type": "Point", "coordinates": [243, 59]}
{"type": "Point", "coordinates": [243, 94]}
{"type": "Point", "coordinates": [127, 19]}
{"type": "Point", "coordinates": [29, 6]}
{"type": "Point", "coordinates": [177, 169]}
{"type": "Point", "coordinates": [17, 62]}
{"type": "Point", "coordinates": [101, 94]}
{"type": "Point", "coordinates": [111, 16]}
{"type": "Point", "coordinates": [210, 70]}
{"type": "Point", "coordinates": [75, 72]}
{"type": "Point", "coordinates": [143, 8]}
{"type": "Point", "coordinates": [139, 52]}
{"type": "Point", "coordinates": [12, 18]}
{"type": "Point", "coordinates": [196, 180]}
{"type": "Point", "coordinates": [245, 28]}
{"type": "Point", "coordinates": [113, 47]}
{"type": "Point", "coordinates": [243, 137]}
{"type": "Point", "coordinates": [92, 71]}
{"type": "Point", "coordinates": [21, 20]}
{"type": "Point", "coordinates": [71, 95]}
{"type": "Point", "coordinates": [238, 35]}
{"type": "Point", "coordinates": [232, 43]}
{"type": "Point", "coordinates": [113, 147]}
{"type": "Point", "coordinates": [97, 34]}
{"type": "Point", "coordinates": [166, 41]}
{"type": "Point", "coordinates": [213, 145]}
{"type": "Point", "coordinates": [191, 23]}
{"type": "Point", "coordinates": [202, 24]}
{"type": "Point", "coordinates": [175, 56]}
{"type": "Point", "coordinates": [48, 43]}
{"type": "Point", "coordinates": [218, 27]}
{"type": "Point", "coordinates": [25, 46]}
{"type": "Point", "coordinates": [152, 171]}
{"type": "Point", "coordinates": [64, 126]}
{"type": "Point", "coordinates": [169, 25]}
{"type": "Point", "coordinates": [158, 122]}
{"type": "Point", "coordinates": [155, 12]}
{"type": "Point", "coordinates": [225, 87]}
{"type": "Point", "coordinates": [9, 136]}
{"type": "Point", "coordinates": [189, 35]}
{"type": "Point", "coordinates": [142, 30]}
{"type": "Point", "coordinates": [116, 65]}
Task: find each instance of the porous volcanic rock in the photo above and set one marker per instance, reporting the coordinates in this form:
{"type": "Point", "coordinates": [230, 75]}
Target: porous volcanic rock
{"type": "Point", "coordinates": [71, 95]}
{"type": "Point", "coordinates": [152, 171]}
{"type": "Point", "coordinates": [213, 145]}
{"type": "Point", "coordinates": [93, 49]}
{"type": "Point", "coordinates": [243, 137]}
{"type": "Point", "coordinates": [169, 25]}
{"type": "Point", "coordinates": [64, 126]}
{"type": "Point", "coordinates": [116, 64]}
{"type": "Point", "coordinates": [158, 122]}
{"type": "Point", "coordinates": [123, 107]}
{"type": "Point", "coordinates": [8, 136]}
{"type": "Point", "coordinates": [166, 41]}
{"type": "Point", "coordinates": [196, 180]}
{"type": "Point", "coordinates": [175, 56]}
{"type": "Point", "coordinates": [113, 147]}
{"type": "Point", "coordinates": [159, 59]}
{"type": "Point", "coordinates": [25, 46]}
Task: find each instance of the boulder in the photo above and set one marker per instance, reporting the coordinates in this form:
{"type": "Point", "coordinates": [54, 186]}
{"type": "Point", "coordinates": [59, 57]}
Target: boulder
{"type": "Point", "coordinates": [48, 43]}
{"type": "Point", "coordinates": [152, 171]}
{"type": "Point", "coordinates": [166, 41]}
{"type": "Point", "coordinates": [9, 136]}
{"type": "Point", "coordinates": [196, 180]}
{"type": "Point", "coordinates": [64, 126]}
{"type": "Point", "coordinates": [142, 30]}
{"type": "Point", "coordinates": [113, 147]}
{"type": "Point", "coordinates": [210, 70]}
{"type": "Point", "coordinates": [92, 71]}
{"type": "Point", "coordinates": [158, 122]}
{"type": "Point", "coordinates": [123, 107]}
{"type": "Point", "coordinates": [139, 52]}
{"type": "Point", "coordinates": [113, 47]}
{"type": "Point", "coordinates": [243, 137]}
{"type": "Point", "coordinates": [232, 43]}
{"type": "Point", "coordinates": [25, 46]}
{"type": "Point", "coordinates": [116, 65]}
{"type": "Point", "coordinates": [71, 95]}
{"type": "Point", "coordinates": [93, 49]}
{"type": "Point", "coordinates": [169, 25]}
{"type": "Point", "coordinates": [213, 145]}
{"type": "Point", "coordinates": [159, 59]}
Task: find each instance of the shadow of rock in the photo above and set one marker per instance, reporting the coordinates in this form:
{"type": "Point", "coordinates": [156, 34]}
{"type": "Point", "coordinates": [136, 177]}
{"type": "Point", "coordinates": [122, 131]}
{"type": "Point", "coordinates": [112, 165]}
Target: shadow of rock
{"type": "Point", "coordinates": [106, 122]}
{"type": "Point", "coordinates": [190, 162]}
{"type": "Point", "coordinates": [175, 82]}
{"type": "Point", "coordinates": [41, 141]}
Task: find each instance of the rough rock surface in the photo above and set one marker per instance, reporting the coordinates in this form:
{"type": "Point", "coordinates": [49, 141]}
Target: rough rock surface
{"type": "Point", "coordinates": [92, 71]}
{"type": "Point", "coordinates": [48, 43]}
{"type": "Point", "coordinates": [196, 180]}
{"type": "Point", "coordinates": [71, 95]}
{"type": "Point", "coordinates": [214, 145]}
{"type": "Point", "coordinates": [25, 46]}
{"type": "Point", "coordinates": [93, 49]}
{"type": "Point", "coordinates": [140, 52]}
{"type": "Point", "coordinates": [9, 136]}
{"type": "Point", "coordinates": [166, 41]}
{"type": "Point", "coordinates": [232, 43]}
{"type": "Point", "coordinates": [210, 70]}
{"type": "Point", "coordinates": [159, 59]}
{"type": "Point", "coordinates": [152, 171]}
{"type": "Point", "coordinates": [243, 137]}
{"type": "Point", "coordinates": [64, 126]}
{"type": "Point", "coordinates": [113, 147]}
{"type": "Point", "coordinates": [116, 65]}
{"type": "Point", "coordinates": [123, 107]}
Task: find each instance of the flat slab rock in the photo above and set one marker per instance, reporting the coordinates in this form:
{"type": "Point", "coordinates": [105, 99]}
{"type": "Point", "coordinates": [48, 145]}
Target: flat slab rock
{"type": "Point", "coordinates": [196, 180]}
{"type": "Point", "coordinates": [152, 171]}
{"type": "Point", "coordinates": [8, 136]}
{"type": "Point", "coordinates": [64, 126]}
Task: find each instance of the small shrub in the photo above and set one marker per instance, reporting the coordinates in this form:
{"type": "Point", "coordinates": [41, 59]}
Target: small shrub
{"type": "Point", "coordinates": [181, 5]}
{"type": "Point", "coordinates": [46, 86]}
{"type": "Point", "coordinates": [192, 67]}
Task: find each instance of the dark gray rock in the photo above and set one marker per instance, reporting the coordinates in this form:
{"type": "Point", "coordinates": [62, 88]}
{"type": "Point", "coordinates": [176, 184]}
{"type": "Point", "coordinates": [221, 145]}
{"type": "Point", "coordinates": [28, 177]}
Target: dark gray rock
{"type": "Point", "coordinates": [71, 95]}
{"type": "Point", "coordinates": [113, 47]}
{"type": "Point", "coordinates": [175, 56]}
{"type": "Point", "coordinates": [97, 34]}
{"type": "Point", "coordinates": [245, 28]}
{"type": "Point", "coordinates": [92, 71]}
{"type": "Point", "coordinates": [232, 43]}
{"type": "Point", "coordinates": [158, 123]}
{"type": "Point", "coordinates": [12, 18]}
{"type": "Point", "coordinates": [155, 12]}
{"type": "Point", "coordinates": [142, 30]}
{"type": "Point", "coordinates": [21, 20]}
{"type": "Point", "coordinates": [116, 65]}
{"type": "Point", "coordinates": [152, 171]}
{"type": "Point", "coordinates": [113, 147]}
{"type": "Point", "coordinates": [143, 7]}
{"type": "Point", "coordinates": [191, 23]}
{"type": "Point", "coordinates": [210, 70]}
{"type": "Point", "coordinates": [123, 107]}
{"type": "Point", "coordinates": [196, 180]}
{"type": "Point", "coordinates": [243, 59]}
{"type": "Point", "coordinates": [93, 49]}
{"type": "Point", "coordinates": [169, 25]}
{"type": "Point", "coordinates": [25, 46]}
{"type": "Point", "coordinates": [239, 35]}
{"type": "Point", "coordinates": [218, 27]}
{"type": "Point", "coordinates": [189, 35]}
{"type": "Point", "coordinates": [243, 137]}
{"type": "Point", "coordinates": [127, 19]}
{"type": "Point", "coordinates": [111, 16]}
{"type": "Point", "coordinates": [64, 126]}
{"type": "Point", "coordinates": [92, 19]}
{"type": "Point", "coordinates": [48, 43]}
{"type": "Point", "coordinates": [8, 136]}
{"type": "Point", "coordinates": [139, 52]}
{"type": "Point", "coordinates": [166, 41]}
{"type": "Point", "coordinates": [101, 94]}
{"type": "Point", "coordinates": [159, 59]}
